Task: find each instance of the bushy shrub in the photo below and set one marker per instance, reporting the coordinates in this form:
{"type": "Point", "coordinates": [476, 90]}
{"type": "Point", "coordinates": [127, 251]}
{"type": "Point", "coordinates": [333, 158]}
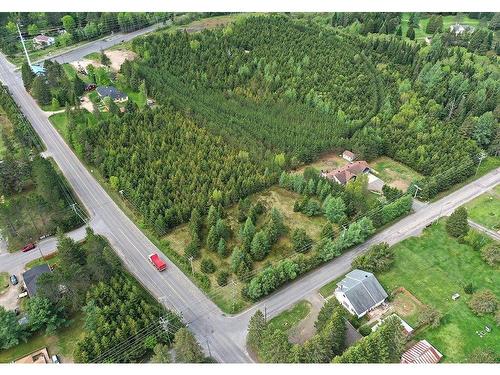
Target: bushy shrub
{"type": "Point", "coordinates": [483, 302]}
{"type": "Point", "coordinates": [222, 278]}
{"type": "Point", "coordinates": [491, 254]}
{"type": "Point", "coordinates": [457, 225]}
{"type": "Point", "coordinates": [429, 316]}
{"type": "Point", "coordinates": [207, 266]}
{"type": "Point", "coordinates": [378, 258]}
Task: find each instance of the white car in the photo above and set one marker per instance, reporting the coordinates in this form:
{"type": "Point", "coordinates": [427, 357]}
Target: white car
{"type": "Point", "coordinates": [55, 359]}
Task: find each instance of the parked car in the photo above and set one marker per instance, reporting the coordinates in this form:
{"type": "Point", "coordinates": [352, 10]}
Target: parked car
{"type": "Point", "coordinates": [55, 359]}
{"type": "Point", "coordinates": [22, 295]}
{"type": "Point", "coordinates": [13, 280]}
{"type": "Point", "coordinates": [28, 247]}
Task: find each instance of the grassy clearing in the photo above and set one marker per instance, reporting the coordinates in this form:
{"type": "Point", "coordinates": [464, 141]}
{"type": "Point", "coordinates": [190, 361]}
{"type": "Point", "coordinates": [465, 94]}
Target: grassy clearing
{"type": "Point", "coordinates": [95, 56]}
{"type": "Point", "coordinates": [62, 343]}
{"type": "Point", "coordinates": [328, 289]}
{"type": "Point", "coordinates": [434, 266]}
{"type": "Point", "coordinates": [283, 200]}
{"type": "Point", "coordinates": [4, 281]}
{"type": "Point", "coordinates": [485, 209]}
{"type": "Point", "coordinates": [325, 162]}
{"type": "Point", "coordinates": [52, 259]}
{"type": "Point", "coordinates": [5, 126]}
{"type": "Point", "coordinates": [394, 173]}
{"type": "Point", "coordinates": [420, 33]}
{"type": "Point", "coordinates": [290, 318]}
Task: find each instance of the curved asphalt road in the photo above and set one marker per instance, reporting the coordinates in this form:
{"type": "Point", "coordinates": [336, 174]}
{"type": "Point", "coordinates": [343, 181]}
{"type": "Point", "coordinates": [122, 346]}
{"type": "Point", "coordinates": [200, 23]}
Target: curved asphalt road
{"type": "Point", "coordinates": [225, 336]}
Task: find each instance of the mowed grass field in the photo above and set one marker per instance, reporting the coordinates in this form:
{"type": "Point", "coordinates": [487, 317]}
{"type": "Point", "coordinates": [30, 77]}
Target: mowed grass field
{"type": "Point", "coordinates": [485, 209]}
{"type": "Point", "coordinates": [434, 266]}
{"type": "Point", "coordinates": [291, 317]}
{"type": "Point", "coordinates": [394, 173]}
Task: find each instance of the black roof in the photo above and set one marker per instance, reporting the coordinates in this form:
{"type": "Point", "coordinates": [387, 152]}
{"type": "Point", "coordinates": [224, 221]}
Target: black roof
{"type": "Point", "coordinates": [110, 91]}
{"type": "Point", "coordinates": [31, 276]}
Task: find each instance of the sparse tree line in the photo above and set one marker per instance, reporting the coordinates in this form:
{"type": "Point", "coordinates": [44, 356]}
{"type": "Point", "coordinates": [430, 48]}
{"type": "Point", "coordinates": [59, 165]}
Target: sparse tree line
{"type": "Point", "coordinates": [24, 218]}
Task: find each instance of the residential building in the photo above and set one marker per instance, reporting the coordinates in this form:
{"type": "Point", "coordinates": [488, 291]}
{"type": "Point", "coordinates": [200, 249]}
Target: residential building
{"type": "Point", "coordinates": [360, 292]}
{"type": "Point", "coordinates": [421, 352]}
{"type": "Point", "coordinates": [348, 172]}
{"type": "Point", "coordinates": [458, 29]}
{"type": "Point", "coordinates": [40, 356]}
{"type": "Point", "coordinates": [112, 92]}
{"type": "Point", "coordinates": [349, 156]}
{"type": "Point", "coordinates": [31, 276]}
{"type": "Point", "coordinates": [43, 40]}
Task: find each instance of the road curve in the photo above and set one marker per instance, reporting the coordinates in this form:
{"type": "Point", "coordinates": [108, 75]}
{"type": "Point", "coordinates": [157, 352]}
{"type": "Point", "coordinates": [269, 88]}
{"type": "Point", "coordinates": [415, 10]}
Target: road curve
{"type": "Point", "coordinates": [225, 336]}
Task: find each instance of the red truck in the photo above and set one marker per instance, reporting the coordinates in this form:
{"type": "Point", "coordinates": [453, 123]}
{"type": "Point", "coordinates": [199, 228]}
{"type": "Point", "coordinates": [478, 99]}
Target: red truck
{"type": "Point", "coordinates": [28, 247]}
{"type": "Point", "coordinates": [159, 264]}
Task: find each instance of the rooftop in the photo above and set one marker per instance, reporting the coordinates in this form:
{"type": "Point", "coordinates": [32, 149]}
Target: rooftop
{"type": "Point", "coordinates": [31, 276]}
{"type": "Point", "coordinates": [347, 172]}
{"type": "Point", "coordinates": [362, 289]}
{"type": "Point", "coordinates": [421, 352]}
{"type": "Point", "coordinates": [111, 91]}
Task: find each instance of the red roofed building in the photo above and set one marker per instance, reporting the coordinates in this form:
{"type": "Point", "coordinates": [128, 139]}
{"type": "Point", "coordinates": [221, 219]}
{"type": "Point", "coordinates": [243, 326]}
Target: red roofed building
{"type": "Point", "coordinates": [348, 172]}
{"type": "Point", "coordinates": [421, 352]}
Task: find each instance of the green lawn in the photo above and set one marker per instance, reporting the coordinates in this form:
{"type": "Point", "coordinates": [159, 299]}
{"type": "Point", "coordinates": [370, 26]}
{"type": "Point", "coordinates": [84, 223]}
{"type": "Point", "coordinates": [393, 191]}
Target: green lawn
{"type": "Point", "coordinates": [485, 209]}
{"type": "Point", "coordinates": [394, 173]}
{"type": "Point", "coordinates": [432, 267]}
{"type": "Point", "coordinates": [37, 262]}
{"type": "Point", "coordinates": [62, 343]}
{"type": "Point", "coordinates": [4, 281]}
{"type": "Point", "coordinates": [290, 318]}
{"type": "Point", "coordinates": [420, 33]}
{"type": "Point", "coordinates": [328, 289]}
{"type": "Point", "coordinates": [96, 56]}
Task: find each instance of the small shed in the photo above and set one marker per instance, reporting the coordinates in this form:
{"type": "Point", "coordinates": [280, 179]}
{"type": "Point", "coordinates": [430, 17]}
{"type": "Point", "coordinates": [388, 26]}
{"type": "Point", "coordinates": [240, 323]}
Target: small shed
{"type": "Point", "coordinates": [349, 156]}
{"type": "Point", "coordinates": [421, 352]}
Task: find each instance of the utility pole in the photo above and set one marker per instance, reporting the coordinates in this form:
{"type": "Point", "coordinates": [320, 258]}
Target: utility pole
{"type": "Point", "coordinates": [417, 188]}
{"type": "Point", "coordinates": [24, 46]}
{"type": "Point", "coordinates": [73, 207]}
{"type": "Point", "coordinates": [482, 156]}
{"type": "Point", "coordinates": [191, 262]}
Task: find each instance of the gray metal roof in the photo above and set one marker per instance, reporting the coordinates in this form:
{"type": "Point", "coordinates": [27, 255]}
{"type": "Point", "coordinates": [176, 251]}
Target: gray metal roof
{"type": "Point", "coordinates": [110, 91]}
{"type": "Point", "coordinates": [362, 289]}
{"type": "Point", "coordinates": [31, 276]}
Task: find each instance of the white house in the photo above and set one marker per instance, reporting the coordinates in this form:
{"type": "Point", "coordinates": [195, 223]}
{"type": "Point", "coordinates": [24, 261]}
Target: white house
{"type": "Point", "coordinates": [349, 156]}
{"type": "Point", "coordinates": [458, 29]}
{"type": "Point", "coordinates": [360, 292]}
{"type": "Point", "coordinates": [43, 40]}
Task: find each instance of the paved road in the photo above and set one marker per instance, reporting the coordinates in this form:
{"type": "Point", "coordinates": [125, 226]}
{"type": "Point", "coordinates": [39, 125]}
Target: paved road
{"type": "Point", "coordinates": [489, 232]}
{"type": "Point", "coordinates": [225, 335]}
{"type": "Point", "coordinates": [79, 52]}
{"type": "Point", "coordinates": [14, 262]}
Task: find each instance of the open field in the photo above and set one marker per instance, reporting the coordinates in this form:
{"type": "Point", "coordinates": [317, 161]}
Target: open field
{"type": "Point", "coordinates": [179, 238]}
{"type": "Point", "coordinates": [326, 162]}
{"type": "Point", "coordinates": [62, 343]}
{"type": "Point", "coordinates": [420, 33]}
{"type": "Point", "coordinates": [434, 266]}
{"type": "Point", "coordinates": [485, 209]}
{"type": "Point", "coordinates": [50, 259]}
{"type": "Point", "coordinates": [394, 173]}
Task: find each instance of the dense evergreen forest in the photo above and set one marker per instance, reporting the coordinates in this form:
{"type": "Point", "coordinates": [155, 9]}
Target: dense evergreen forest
{"type": "Point", "coordinates": [269, 93]}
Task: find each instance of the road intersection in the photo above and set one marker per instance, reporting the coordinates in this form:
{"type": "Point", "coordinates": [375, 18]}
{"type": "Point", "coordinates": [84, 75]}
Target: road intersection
{"type": "Point", "coordinates": [224, 334]}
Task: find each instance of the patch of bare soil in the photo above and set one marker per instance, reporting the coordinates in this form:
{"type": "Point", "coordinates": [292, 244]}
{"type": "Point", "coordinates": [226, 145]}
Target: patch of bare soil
{"type": "Point", "coordinates": [305, 329]}
{"type": "Point", "coordinates": [325, 162]}
{"type": "Point", "coordinates": [207, 23]}
{"type": "Point", "coordinates": [399, 184]}
{"type": "Point", "coordinates": [87, 104]}
{"type": "Point", "coordinates": [8, 299]}
{"type": "Point", "coordinates": [405, 303]}
{"type": "Point", "coordinates": [82, 64]}
{"type": "Point", "coordinates": [118, 57]}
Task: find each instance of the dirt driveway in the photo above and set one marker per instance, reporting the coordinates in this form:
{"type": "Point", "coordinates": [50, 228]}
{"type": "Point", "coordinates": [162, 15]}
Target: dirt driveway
{"type": "Point", "coordinates": [9, 299]}
{"type": "Point", "coordinates": [118, 57]}
{"type": "Point", "coordinates": [305, 329]}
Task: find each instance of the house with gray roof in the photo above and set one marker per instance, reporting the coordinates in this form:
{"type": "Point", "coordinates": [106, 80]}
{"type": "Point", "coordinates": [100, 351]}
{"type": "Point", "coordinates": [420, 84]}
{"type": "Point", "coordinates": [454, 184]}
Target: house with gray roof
{"type": "Point", "coordinates": [360, 292]}
{"type": "Point", "coordinates": [31, 276]}
{"type": "Point", "coordinates": [112, 92]}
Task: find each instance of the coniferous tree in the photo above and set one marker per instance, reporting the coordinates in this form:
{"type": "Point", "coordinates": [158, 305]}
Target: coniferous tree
{"type": "Point", "coordinates": [187, 349]}
{"type": "Point", "coordinates": [457, 224]}
{"type": "Point", "coordinates": [27, 75]}
{"type": "Point", "coordinates": [256, 328]}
